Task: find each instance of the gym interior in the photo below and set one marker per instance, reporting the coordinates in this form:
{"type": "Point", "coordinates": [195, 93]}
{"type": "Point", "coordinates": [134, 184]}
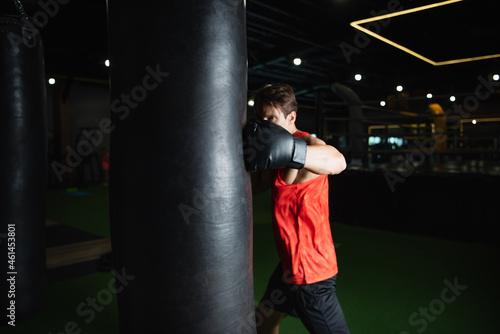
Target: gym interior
{"type": "Point", "coordinates": [100, 99]}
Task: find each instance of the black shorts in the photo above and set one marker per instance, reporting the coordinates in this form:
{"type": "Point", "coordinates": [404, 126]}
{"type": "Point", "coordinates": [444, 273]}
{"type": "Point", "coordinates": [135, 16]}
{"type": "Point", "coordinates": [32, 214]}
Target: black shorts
{"type": "Point", "coordinates": [315, 304]}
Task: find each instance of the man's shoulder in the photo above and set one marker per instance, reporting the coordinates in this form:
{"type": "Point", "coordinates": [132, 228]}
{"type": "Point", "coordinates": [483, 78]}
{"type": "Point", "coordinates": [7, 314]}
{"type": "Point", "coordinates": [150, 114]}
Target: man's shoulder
{"type": "Point", "coordinates": [301, 133]}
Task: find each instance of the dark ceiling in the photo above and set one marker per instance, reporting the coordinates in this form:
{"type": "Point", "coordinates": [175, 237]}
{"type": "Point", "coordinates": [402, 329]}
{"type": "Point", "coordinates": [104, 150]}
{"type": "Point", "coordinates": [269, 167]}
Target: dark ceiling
{"type": "Point", "coordinates": [75, 42]}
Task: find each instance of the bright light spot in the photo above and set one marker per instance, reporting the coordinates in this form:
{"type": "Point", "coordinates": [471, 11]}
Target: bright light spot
{"type": "Point", "coordinates": [429, 96]}
{"type": "Point", "coordinates": [297, 61]}
{"type": "Point", "coordinates": [52, 81]}
{"type": "Point", "coordinates": [452, 98]}
{"type": "Point", "coordinates": [106, 62]}
{"type": "Point", "coordinates": [399, 88]}
{"type": "Point", "coordinates": [314, 135]}
{"type": "Point", "coordinates": [474, 121]}
{"type": "Point", "coordinates": [382, 103]}
{"type": "Point", "coordinates": [395, 141]}
{"type": "Point", "coordinates": [496, 77]}
{"type": "Point", "coordinates": [358, 77]}
{"type": "Point", "coordinates": [374, 140]}
{"type": "Point", "coordinates": [251, 103]}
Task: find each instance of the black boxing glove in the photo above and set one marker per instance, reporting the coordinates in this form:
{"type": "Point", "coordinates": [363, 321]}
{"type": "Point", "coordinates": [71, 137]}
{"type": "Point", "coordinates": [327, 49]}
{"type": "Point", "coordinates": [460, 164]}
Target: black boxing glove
{"type": "Point", "coordinates": [268, 145]}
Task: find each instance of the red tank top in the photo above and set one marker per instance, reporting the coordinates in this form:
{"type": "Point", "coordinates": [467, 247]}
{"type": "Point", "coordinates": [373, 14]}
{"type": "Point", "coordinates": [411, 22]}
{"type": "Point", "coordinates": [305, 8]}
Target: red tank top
{"type": "Point", "coordinates": [302, 229]}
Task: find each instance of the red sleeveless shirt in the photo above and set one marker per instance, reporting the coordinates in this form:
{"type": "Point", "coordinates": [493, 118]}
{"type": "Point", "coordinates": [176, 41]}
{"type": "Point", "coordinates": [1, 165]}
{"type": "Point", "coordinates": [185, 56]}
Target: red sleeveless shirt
{"type": "Point", "coordinates": [302, 229]}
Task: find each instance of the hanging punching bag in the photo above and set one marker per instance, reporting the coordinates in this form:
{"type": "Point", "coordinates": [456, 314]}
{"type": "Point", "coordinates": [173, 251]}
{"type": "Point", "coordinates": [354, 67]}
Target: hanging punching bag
{"type": "Point", "coordinates": [22, 169]}
{"type": "Point", "coordinates": [179, 193]}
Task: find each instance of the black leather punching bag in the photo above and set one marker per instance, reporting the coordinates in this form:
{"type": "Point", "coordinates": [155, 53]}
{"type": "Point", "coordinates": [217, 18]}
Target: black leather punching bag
{"type": "Point", "coordinates": [22, 170]}
{"type": "Point", "coordinates": [179, 193]}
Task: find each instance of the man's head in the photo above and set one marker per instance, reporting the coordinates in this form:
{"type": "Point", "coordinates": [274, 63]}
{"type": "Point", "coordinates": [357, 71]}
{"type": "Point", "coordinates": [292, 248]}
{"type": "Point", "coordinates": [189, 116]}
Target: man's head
{"type": "Point", "coordinates": [277, 103]}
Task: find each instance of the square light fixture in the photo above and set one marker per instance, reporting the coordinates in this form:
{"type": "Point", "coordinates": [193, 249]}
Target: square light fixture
{"type": "Point", "coordinates": [357, 25]}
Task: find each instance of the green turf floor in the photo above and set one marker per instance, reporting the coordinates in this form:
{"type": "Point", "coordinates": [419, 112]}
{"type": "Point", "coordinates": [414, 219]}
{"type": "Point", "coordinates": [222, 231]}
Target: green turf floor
{"type": "Point", "coordinates": [389, 283]}
{"type": "Point", "coordinates": [83, 208]}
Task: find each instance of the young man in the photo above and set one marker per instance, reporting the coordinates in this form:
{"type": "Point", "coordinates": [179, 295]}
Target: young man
{"type": "Point", "coordinates": [296, 166]}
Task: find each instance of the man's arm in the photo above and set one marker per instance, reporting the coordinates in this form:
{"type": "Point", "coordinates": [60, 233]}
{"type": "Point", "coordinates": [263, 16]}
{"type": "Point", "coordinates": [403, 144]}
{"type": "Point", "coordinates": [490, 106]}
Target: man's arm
{"type": "Point", "coordinates": [267, 145]}
{"type": "Point", "coordinates": [323, 159]}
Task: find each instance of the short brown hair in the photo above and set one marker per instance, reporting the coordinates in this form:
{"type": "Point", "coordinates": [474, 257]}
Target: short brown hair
{"type": "Point", "coordinates": [280, 96]}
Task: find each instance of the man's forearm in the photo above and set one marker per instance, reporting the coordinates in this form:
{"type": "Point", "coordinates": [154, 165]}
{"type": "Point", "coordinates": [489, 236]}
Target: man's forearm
{"type": "Point", "coordinates": [324, 160]}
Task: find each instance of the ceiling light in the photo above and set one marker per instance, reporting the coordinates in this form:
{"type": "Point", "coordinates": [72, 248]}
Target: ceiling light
{"type": "Point", "coordinates": [429, 95]}
{"type": "Point", "coordinates": [474, 121]}
{"type": "Point", "coordinates": [496, 77]}
{"type": "Point", "coordinates": [358, 77]}
{"type": "Point", "coordinates": [106, 62]}
{"type": "Point", "coordinates": [297, 61]}
{"type": "Point", "coordinates": [251, 103]}
{"type": "Point", "coordinates": [452, 98]}
{"type": "Point", "coordinates": [382, 103]}
{"type": "Point", "coordinates": [356, 24]}
{"type": "Point", "coordinates": [52, 81]}
{"type": "Point", "coordinates": [399, 88]}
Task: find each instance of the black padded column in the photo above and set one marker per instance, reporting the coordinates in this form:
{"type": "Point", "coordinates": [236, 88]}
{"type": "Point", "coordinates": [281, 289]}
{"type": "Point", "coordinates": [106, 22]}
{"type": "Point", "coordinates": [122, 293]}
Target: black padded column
{"type": "Point", "coordinates": [22, 169]}
{"type": "Point", "coordinates": [356, 132]}
{"type": "Point", "coordinates": [180, 196]}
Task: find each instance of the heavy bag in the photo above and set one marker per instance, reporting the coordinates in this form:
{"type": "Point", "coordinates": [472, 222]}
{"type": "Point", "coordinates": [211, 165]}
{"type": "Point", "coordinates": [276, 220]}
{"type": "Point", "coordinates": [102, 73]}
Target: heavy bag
{"type": "Point", "coordinates": [179, 193]}
{"type": "Point", "coordinates": [22, 169]}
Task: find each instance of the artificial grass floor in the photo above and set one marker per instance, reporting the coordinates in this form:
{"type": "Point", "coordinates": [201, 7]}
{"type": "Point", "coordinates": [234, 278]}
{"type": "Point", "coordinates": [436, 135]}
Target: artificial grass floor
{"type": "Point", "coordinates": [388, 282]}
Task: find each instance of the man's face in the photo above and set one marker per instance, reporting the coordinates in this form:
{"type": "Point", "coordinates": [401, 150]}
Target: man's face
{"type": "Point", "coordinates": [273, 114]}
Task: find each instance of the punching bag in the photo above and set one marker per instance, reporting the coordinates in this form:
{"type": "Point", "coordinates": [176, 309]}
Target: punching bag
{"type": "Point", "coordinates": [22, 169]}
{"type": "Point", "coordinates": [179, 193]}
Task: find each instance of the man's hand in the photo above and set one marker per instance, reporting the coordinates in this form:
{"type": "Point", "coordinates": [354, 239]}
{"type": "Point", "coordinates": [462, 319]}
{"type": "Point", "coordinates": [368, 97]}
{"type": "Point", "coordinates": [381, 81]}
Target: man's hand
{"type": "Point", "coordinates": [268, 145]}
